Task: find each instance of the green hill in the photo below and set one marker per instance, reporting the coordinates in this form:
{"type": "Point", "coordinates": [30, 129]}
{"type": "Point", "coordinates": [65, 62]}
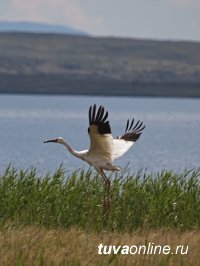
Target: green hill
{"type": "Point", "coordinates": [64, 64]}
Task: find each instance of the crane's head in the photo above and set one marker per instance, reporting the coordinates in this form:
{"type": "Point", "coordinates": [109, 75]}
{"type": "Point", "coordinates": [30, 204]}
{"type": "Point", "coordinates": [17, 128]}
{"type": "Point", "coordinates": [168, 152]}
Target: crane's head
{"type": "Point", "coordinates": [57, 140]}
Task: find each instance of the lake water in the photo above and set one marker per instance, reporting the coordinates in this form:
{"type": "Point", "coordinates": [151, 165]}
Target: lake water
{"type": "Point", "coordinates": [171, 139]}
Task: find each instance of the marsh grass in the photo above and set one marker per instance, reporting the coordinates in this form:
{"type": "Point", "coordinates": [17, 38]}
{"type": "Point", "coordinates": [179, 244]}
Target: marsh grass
{"type": "Point", "coordinates": [138, 201]}
{"type": "Point", "coordinates": [33, 245]}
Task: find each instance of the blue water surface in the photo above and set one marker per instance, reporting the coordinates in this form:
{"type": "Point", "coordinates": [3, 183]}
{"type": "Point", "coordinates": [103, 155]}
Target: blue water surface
{"type": "Point", "coordinates": [171, 139]}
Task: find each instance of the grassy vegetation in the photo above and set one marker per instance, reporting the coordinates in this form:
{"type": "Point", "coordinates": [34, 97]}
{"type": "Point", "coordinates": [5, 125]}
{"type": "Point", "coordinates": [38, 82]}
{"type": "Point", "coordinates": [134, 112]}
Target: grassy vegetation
{"type": "Point", "coordinates": [138, 201]}
{"type": "Point", "coordinates": [53, 63]}
{"type": "Point", "coordinates": [30, 245]}
{"type": "Point", "coordinates": [57, 219]}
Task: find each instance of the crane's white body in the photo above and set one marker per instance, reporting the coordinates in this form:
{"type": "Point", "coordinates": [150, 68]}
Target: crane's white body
{"type": "Point", "coordinates": [104, 149]}
{"type": "Point", "coordinates": [102, 152]}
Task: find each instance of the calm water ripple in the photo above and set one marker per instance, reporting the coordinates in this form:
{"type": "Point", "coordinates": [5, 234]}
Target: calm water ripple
{"type": "Point", "coordinates": [170, 140]}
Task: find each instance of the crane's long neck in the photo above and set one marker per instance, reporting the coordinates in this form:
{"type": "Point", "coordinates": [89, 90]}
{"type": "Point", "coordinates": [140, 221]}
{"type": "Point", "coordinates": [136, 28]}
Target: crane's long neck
{"type": "Point", "coordinates": [71, 150]}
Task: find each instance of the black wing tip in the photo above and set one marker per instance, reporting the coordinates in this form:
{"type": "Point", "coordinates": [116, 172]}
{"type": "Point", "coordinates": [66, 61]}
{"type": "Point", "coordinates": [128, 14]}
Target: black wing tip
{"type": "Point", "coordinates": [133, 130]}
{"type": "Point", "coordinates": [98, 116]}
{"type": "Point", "coordinates": [137, 127]}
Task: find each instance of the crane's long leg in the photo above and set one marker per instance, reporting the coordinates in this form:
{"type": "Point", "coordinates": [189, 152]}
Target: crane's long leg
{"type": "Point", "coordinates": [106, 202]}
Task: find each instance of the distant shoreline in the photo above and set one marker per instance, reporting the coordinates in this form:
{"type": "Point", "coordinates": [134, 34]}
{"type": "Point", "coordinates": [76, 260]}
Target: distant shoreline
{"type": "Point", "coordinates": [81, 65]}
{"type": "Point", "coordinates": [60, 85]}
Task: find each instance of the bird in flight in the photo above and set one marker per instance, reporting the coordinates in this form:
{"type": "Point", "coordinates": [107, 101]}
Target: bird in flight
{"type": "Point", "coordinates": [104, 149]}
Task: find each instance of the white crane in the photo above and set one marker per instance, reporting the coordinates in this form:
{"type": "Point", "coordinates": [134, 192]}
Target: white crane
{"type": "Point", "coordinates": [104, 149]}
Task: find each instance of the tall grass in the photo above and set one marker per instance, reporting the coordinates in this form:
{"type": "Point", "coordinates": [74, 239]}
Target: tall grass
{"type": "Point", "coordinates": [140, 200]}
{"type": "Point", "coordinates": [33, 245]}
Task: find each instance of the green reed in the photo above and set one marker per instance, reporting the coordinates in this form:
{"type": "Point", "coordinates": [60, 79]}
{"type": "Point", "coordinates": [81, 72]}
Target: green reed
{"type": "Point", "coordinates": [140, 200]}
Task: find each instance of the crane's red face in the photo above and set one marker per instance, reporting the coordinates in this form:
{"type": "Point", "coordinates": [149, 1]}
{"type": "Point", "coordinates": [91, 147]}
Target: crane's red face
{"type": "Point", "coordinates": [51, 140]}
{"type": "Point", "coordinates": [57, 140]}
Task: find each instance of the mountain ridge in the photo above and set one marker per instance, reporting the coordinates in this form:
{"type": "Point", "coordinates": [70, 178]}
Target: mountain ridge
{"type": "Point", "coordinates": [86, 65]}
{"type": "Point", "coordinates": [35, 27]}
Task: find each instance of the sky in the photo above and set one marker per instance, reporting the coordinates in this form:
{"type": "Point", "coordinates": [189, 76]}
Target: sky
{"type": "Point", "coordinates": [154, 19]}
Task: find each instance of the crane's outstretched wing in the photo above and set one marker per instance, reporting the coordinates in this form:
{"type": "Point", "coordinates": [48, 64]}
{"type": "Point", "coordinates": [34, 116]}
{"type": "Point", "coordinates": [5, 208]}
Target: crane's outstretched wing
{"type": "Point", "coordinates": [132, 133]}
{"type": "Point", "coordinates": [101, 140]}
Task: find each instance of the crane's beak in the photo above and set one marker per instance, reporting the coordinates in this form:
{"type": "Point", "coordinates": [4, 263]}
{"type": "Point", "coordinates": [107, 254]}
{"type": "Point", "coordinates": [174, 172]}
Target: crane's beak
{"type": "Point", "coordinates": [50, 140]}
